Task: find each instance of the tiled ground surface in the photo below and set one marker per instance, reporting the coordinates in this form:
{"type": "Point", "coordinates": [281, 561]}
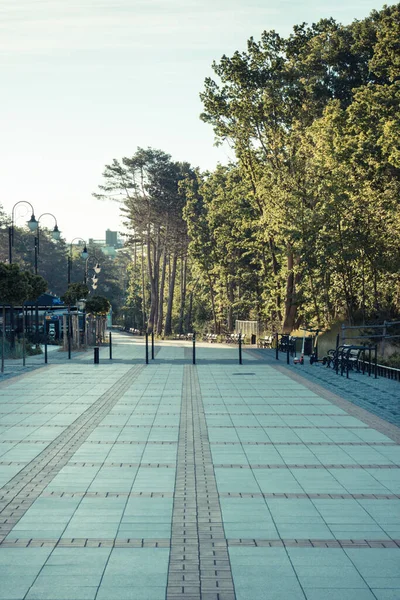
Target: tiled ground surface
{"type": "Point", "coordinates": [219, 481]}
{"type": "Point", "coordinates": [380, 396]}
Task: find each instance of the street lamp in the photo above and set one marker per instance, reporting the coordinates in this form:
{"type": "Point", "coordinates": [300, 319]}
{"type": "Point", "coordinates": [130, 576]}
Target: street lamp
{"type": "Point", "coordinates": [32, 224]}
{"type": "Point", "coordinates": [96, 269]}
{"type": "Point", "coordinates": [56, 233]}
{"type": "Point", "coordinates": [84, 254]}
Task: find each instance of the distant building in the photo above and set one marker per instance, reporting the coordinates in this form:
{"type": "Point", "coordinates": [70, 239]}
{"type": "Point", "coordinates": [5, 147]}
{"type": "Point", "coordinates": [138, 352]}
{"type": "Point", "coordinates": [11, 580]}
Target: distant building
{"type": "Point", "coordinates": [112, 238]}
{"type": "Point", "coordinates": [108, 245]}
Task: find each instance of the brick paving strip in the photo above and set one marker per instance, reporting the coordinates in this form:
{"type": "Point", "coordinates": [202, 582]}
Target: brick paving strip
{"type": "Point", "coordinates": [21, 491]}
{"type": "Point", "coordinates": [199, 567]}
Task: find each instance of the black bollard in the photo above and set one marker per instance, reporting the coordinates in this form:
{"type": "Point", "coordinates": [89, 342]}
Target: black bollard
{"type": "Point", "coordinates": [369, 361]}
{"type": "Point", "coordinates": [152, 345]}
{"type": "Point", "coordinates": [240, 349]}
{"type": "Point", "coordinates": [194, 348]}
{"type": "Point", "coordinates": [69, 334]}
{"type": "Point", "coordinates": [376, 361]}
{"type": "Point", "coordinates": [96, 357]}
{"type": "Point", "coordinates": [147, 347]}
{"type": "Point", "coordinates": [45, 343]}
{"type": "Point", "coordinates": [276, 347]}
{"type": "Point", "coordinates": [110, 341]}
{"type": "Point", "coordinates": [287, 351]}
{"type": "Point", "coordinates": [342, 363]}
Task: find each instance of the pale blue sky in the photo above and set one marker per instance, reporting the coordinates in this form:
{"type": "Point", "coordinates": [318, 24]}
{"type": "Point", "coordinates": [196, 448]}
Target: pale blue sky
{"type": "Point", "coordinates": [86, 81]}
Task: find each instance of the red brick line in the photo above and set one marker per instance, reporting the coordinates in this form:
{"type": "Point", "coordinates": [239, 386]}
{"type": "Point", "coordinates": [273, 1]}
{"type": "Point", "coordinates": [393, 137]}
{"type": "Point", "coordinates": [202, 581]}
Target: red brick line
{"type": "Point", "coordinates": [315, 543]}
{"type": "Point", "coordinates": [312, 496]}
{"type": "Point", "coordinates": [166, 542]}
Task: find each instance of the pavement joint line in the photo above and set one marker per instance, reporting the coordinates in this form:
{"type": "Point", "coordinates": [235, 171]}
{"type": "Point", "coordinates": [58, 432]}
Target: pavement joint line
{"type": "Point", "coordinates": [311, 496]}
{"type": "Point", "coordinates": [195, 492]}
{"type": "Point", "coordinates": [303, 444]}
{"type": "Point", "coordinates": [302, 466]}
{"type": "Point", "coordinates": [37, 474]}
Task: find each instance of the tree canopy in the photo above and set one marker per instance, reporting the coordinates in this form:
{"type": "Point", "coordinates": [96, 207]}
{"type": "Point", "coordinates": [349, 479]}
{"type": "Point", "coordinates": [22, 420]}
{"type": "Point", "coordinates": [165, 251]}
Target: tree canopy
{"type": "Point", "coordinates": [303, 227]}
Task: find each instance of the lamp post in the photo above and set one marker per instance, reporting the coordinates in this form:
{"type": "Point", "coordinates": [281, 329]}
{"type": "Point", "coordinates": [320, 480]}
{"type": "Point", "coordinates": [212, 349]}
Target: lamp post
{"type": "Point", "coordinates": [55, 235]}
{"type": "Point", "coordinates": [84, 254]}
{"type": "Point", "coordinates": [32, 224]}
{"type": "Point", "coordinates": [96, 269]}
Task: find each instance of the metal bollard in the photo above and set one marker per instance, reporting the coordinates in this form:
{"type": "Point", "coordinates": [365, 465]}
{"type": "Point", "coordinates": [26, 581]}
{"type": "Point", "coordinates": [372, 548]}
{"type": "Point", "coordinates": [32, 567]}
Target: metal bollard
{"type": "Point", "coordinates": [147, 347]}
{"type": "Point", "coordinates": [152, 345]}
{"type": "Point", "coordinates": [369, 361]}
{"type": "Point", "coordinates": [69, 334]}
{"type": "Point", "coordinates": [240, 349]}
{"type": "Point", "coordinates": [288, 352]}
{"type": "Point", "coordinates": [376, 361]}
{"type": "Point", "coordinates": [194, 348]}
{"type": "Point", "coordinates": [110, 341]}
{"type": "Point", "coordinates": [45, 344]}
{"type": "Point", "coordinates": [276, 347]}
{"type": "Point", "coordinates": [96, 357]}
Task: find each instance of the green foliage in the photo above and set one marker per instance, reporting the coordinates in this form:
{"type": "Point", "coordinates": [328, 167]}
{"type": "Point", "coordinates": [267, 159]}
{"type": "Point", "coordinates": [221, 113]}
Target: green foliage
{"type": "Point", "coordinates": [97, 305]}
{"type": "Point", "coordinates": [75, 292]}
{"type": "Point", "coordinates": [17, 286]}
{"type": "Point", "coordinates": [152, 199]}
{"type": "Point", "coordinates": [304, 227]}
{"type": "Point", "coordinates": [16, 350]}
{"type": "Point", "coordinates": [314, 121]}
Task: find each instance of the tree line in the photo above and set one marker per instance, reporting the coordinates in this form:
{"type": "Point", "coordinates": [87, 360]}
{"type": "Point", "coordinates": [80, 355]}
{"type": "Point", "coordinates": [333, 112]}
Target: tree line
{"type": "Point", "coordinates": [53, 262]}
{"type": "Point", "coordinates": [304, 225]}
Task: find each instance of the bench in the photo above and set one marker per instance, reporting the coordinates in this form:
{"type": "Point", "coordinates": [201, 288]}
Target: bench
{"type": "Point", "coordinates": [345, 357]}
{"type": "Point", "coordinates": [287, 342]}
{"type": "Point", "coordinates": [210, 337]}
{"type": "Point", "coordinates": [233, 338]}
{"type": "Point", "coordinates": [265, 342]}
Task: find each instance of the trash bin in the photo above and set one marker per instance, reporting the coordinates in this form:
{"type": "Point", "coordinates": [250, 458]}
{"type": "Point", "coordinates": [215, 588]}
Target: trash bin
{"type": "Point", "coordinates": [308, 346]}
{"type": "Point", "coordinates": [253, 339]}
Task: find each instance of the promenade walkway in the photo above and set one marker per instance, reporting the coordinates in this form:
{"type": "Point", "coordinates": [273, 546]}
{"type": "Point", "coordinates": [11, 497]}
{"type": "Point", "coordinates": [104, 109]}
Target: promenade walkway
{"type": "Point", "coordinates": [122, 481]}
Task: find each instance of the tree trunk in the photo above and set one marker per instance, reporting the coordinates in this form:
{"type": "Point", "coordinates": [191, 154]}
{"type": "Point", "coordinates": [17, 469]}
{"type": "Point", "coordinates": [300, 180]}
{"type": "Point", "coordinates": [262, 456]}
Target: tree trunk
{"type": "Point", "coordinates": [275, 270]}
{"type": "Point", "coordinates": [143, 291]}
{"type": "Point", "coordinates": [231, 298]}
{"type": "Point", "coordinates": [212, 295]}
{"type": "Point", "coordinates": [183, 293]}
{"type": "Point", "coordinates": [75, 330]}
{"type": "Point", "coordinates": [65, 332]}
{"type": "Point", "coordinates": [189, 326]}
{"type": "Point", "coordinates": [290, 300]}
{"type": "Point", "coordinates": [168, 317]}
{"type": "Point", "coordinates": [3, 339]}
{"type": "Point", "coordinates": [160, 317]}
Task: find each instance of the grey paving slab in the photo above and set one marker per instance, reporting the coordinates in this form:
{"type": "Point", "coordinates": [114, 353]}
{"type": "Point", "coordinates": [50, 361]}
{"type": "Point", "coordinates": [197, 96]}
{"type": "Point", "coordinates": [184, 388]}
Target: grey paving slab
{"type": "Point", "coordinates": [214, 482]}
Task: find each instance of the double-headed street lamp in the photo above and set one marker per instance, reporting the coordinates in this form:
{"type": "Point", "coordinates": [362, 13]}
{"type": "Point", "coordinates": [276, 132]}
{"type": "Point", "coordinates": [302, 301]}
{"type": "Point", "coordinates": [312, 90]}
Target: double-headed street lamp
{"type": "Point", "coordinates": [32, 224]}
{"type": "Point", "coordinates": [96, 269]}
{"type": "Point", "coordinates": [84, 254]}
{"type": "Point", "coordinates": [55, 235]}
